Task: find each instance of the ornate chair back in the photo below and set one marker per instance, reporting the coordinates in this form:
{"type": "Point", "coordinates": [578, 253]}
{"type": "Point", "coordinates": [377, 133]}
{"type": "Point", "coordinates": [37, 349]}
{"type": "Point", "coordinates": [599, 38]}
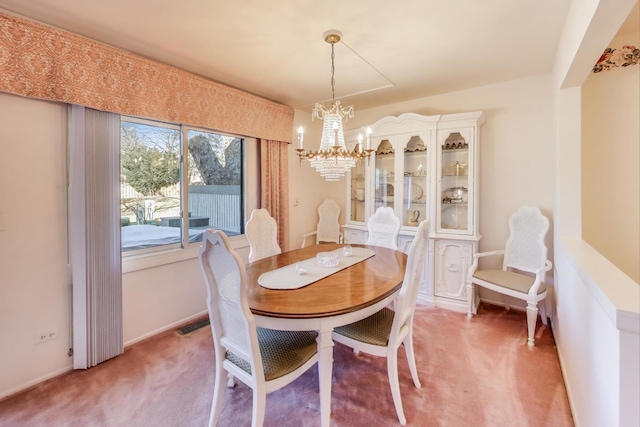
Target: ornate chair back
{"type": "Point", "coordinates": [383, 227]}
{"type": "Point", "coordinates": [262, 233]}
{"type": "Point", "coordinates": [525, 249]}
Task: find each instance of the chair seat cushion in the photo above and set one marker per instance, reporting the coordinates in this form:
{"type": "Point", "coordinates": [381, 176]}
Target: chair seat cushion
{"type": "Point", "coordinates": [509, 279]}
{"type": "Point", "coordinates": [374, 329]}
{"type": "Point", "coordinates": [282, 352]}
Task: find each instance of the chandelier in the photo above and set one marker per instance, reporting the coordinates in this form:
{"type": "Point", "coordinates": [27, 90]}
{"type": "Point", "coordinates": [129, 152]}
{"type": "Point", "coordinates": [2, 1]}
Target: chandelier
{"type": "Point", "coordinates": [333, 159]}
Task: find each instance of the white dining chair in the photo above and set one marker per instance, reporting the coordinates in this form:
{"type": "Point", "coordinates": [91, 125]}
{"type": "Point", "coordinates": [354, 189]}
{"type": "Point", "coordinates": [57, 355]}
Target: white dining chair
{"type": "Point", "coordinates": [383, 227]}
{"type": "Point", "coordinates": [524, 266]}
{"type": "Point", "coordinates": [328, 228]}
{"type": "Point", "coordinates": [262, 233]}
{"type": "Point", "coordinates": [382, 333]}
{"type": "Point", "coordinates": [264, 359]}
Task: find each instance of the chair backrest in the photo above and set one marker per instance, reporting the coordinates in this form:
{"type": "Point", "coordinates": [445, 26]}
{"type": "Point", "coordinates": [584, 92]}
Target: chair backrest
{"type": "Point", "coordinates": [525, 249]}
{"type": "Point", "coordinates": [383, 227]}
{"type": "Point", "coordinates": [328, 229]}
{"type": "Point", "coordinates": [262, 233]}
{"type": "Point", "coordinates": [232, 323]}
{"type": "Point", "coordinates": [416, 261]}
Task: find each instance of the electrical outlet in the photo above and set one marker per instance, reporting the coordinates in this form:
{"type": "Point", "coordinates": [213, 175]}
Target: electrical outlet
{"type": "Point", "coordinates": [45, 336]}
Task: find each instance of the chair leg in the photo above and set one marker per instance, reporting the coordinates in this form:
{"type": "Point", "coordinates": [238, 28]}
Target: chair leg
{"type": "Point", "coordinates": [259, 404]}
{"type": "Point", "coordinates": [230, 380]}
{"type": "Point", "coordinates": [542, 306]}
{"type": "Point", "coordinates": [394, 383]}
{"type": "Point", "coordinates": [218, 396]}
{"type": "Point", "coordinates": [532, 318]}
{"type": "Point", "coordinates": [411, 358]}
{"type": "Point", "coordinates": [471, 299]}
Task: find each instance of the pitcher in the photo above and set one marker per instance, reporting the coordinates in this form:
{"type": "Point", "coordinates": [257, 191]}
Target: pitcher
{"type": "Point", "coordinates": [413, 217]}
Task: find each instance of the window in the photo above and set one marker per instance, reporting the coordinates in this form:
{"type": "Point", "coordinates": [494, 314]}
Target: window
{"type": "Point", "coordinates": [167, 202]}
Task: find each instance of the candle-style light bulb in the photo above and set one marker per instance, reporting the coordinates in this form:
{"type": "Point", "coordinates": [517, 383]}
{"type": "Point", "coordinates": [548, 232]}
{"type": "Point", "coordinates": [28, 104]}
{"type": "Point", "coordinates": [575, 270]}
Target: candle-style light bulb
{"type": "Point", "coordinates": [360, 142]}
{"type": "Point", "coordinates": [300, 137]}
{"type": "Point", "coordinates": [368, 138]}
{"type": "Point", "coordinates": [335, 133]}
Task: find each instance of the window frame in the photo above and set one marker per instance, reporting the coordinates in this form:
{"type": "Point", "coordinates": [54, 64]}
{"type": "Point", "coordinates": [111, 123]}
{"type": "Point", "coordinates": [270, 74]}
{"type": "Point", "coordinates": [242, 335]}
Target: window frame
{"type": "Point", "coordinates": [139, 259]}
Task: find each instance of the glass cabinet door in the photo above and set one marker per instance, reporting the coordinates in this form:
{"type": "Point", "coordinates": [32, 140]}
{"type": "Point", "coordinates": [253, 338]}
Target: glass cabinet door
{"type": "Point", "coordinates": [454, 214]}
{"type": "Point", "coordinates": [384, 174]}
{"type": "Point", "coordinates": [415, 181]}
{"type": "Point", "coordinates": [358, 193]}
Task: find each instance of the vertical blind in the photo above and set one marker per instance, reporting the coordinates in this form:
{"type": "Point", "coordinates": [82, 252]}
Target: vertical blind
{"type": "Point", "coordinates": [94, 235]}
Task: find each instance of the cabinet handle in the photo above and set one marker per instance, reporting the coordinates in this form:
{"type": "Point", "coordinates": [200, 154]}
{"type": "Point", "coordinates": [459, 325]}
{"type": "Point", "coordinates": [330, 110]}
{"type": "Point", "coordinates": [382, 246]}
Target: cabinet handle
{"type": "Point", "coordinates": [453, 267]}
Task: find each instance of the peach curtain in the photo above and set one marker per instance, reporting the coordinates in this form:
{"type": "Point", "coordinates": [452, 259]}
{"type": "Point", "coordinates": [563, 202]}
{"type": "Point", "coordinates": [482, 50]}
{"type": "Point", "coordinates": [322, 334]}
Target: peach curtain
{"type": "Point", "coordinates": [43, 62]}
{"type": "Point", "coordinates": [274, 170]}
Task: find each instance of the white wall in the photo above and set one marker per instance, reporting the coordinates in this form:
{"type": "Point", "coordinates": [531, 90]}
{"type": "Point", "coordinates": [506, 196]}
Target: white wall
{"type": "Point", "coordinates": [34, 278]}
{"type": "Point", "coordinates": [611, 162]}
{"type": "Point", "coordinates": [597, 322]}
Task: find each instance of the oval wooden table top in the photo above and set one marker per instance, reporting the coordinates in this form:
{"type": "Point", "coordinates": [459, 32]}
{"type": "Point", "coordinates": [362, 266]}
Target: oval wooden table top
{"type": "Point", "coordinates": [350, 289]}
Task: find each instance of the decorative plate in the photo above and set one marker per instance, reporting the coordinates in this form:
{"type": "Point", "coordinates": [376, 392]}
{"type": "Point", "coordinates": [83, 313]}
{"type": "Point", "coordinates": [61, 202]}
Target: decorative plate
{"type": "Point", "coordinates": [454, 217]}
{"type": "Point", "coordinates": [416, 192]}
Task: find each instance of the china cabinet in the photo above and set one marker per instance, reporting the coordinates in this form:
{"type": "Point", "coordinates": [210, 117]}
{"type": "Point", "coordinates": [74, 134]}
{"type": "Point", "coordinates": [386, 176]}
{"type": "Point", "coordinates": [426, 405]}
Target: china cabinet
{"type": "Point", "coordinates": [424, 167]}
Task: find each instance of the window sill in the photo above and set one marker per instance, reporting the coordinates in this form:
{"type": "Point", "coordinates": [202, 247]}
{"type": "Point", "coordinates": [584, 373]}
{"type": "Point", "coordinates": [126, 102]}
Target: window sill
{"type": "Point", "coordinates": [155, 259]}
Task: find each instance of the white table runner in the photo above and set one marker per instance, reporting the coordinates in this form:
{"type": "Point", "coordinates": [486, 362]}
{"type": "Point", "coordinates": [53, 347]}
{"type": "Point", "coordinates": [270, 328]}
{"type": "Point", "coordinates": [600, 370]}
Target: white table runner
{"type": "Point", "coordinates": [287, 278]}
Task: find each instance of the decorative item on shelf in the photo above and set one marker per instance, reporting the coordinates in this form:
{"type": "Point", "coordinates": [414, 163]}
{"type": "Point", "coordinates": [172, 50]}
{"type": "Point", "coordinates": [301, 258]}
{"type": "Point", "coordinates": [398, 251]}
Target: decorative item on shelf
{"type": "Point", "coordinates": [333, 160]}
{"type": "Point", "coordinates": [458, 169]}
{"type": "Point", "coordinates": [455, 195]}
{"type": "Point", "coordinates": [384, 193]}
{"type": "Point", "coordinates": [415, 144]}
{"type": "Point", "coordinates": [415, 193]}
{"type": "Point", "coordinates": [455, 141]}
{"type": "Point", "coordinates": [455, 217]}
{"type": "Point", "coordinates": [385, 147]}
{"type": "Point", "coordinates": [414, 214]}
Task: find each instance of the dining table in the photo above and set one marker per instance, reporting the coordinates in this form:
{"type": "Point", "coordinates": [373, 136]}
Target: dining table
{"type": "Point", "coordinates": [352, 293]}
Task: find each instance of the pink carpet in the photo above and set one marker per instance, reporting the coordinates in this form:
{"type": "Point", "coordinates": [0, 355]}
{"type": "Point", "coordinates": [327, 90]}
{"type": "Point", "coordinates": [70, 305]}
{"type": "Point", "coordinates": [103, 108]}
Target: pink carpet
{"type": "Point", "coordinates": [476, 372]}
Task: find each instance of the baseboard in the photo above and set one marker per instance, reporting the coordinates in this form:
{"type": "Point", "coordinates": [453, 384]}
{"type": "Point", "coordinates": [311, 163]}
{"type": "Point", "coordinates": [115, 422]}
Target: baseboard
{"type": "Point", "coordinates": [27, 385]}
{"type": "Point", "coordinates": [445, 303]}
{"type": "Point", "coordinates": [567, 386]}
{"type": "Point", "coordinates": [32, 383]}
{"type": "Point", "coordinates": [173, 325]}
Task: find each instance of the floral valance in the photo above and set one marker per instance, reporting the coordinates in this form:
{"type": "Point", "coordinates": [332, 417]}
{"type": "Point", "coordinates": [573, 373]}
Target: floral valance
{"type": "Point", "coordinates": [42, 62]}
{"type": "Point", "coordinates": [612, 58]}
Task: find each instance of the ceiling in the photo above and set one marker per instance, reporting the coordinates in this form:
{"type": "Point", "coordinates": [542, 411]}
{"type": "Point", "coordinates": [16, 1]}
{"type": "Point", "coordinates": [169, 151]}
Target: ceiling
{"type": "Point", "coordinates": [390, 51]}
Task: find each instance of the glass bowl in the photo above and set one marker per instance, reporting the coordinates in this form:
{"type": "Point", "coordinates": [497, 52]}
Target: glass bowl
{"type": "Point", "coordinates": [327, 259]}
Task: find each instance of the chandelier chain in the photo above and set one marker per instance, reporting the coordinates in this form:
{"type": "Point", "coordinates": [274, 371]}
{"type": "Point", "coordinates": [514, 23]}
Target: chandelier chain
{"type": "Point", "coordinates": [333, 70]}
